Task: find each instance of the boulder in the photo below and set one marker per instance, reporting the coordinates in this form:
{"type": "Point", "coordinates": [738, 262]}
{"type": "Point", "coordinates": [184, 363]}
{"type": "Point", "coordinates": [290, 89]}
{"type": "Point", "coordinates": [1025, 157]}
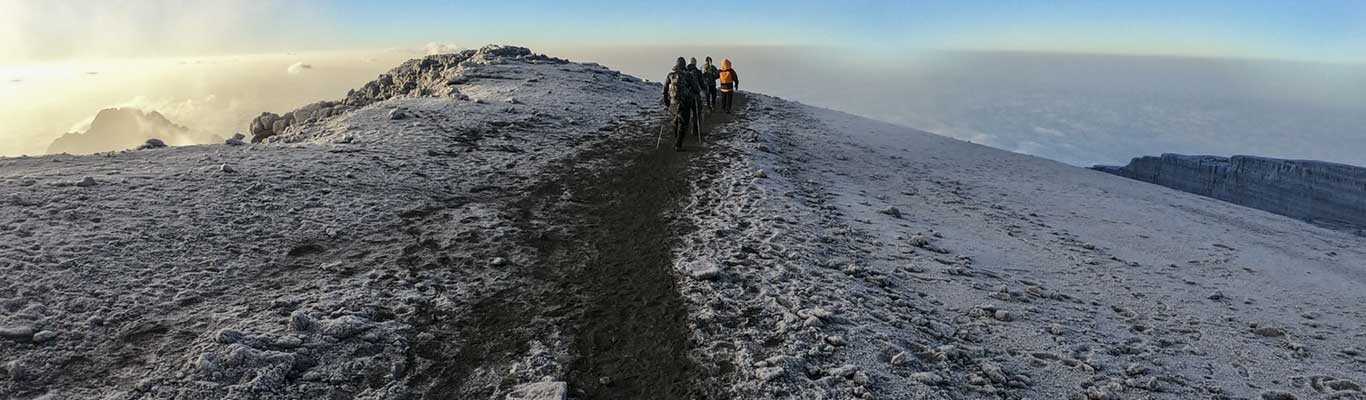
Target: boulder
{"type": "Point", "coordinates": [927, 378]}
{"type": "Point", "coordinates": [551, 390]}
{"type": "Point", "coordinates": [18, 332]}
{"type": "Point", "coordinates": [44, 336]}
{"type": "Point", "coordinates": [263, 126]}
{"type": "Point", "coordinates": [152, 143]}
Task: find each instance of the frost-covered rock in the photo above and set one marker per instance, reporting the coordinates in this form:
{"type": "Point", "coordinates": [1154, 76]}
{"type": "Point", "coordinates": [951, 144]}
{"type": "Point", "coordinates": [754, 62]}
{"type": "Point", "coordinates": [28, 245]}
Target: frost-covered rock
{"type": "Point", "coordinates": [259, 371]}
{"type": "Point", "coordinates": [152, 143]}
{"type": "Point", "coordinates": [704, 270]}
{"type": "Point", "coordinates": [301, 322]}
{"type": "Point", "coordinates": [289, 342]}
{"type": "Point", "coordinates": [768, 373]}
{"type": "Point", "coordinates": [17, 332]}
{"type": "Point", "coordinates": [17, 371]}
{"type": "Point", "coordinates": [553, 390]}
{"type": "Point", "coordinates": [927, 378]}
{"type": "Point", "coordinates": [343, 327]}
{"type": "Point", "coordinates": [44, 336]}
{"type": "Point", "coordinates": [228, 336]}
{"type": "Point", "coordinates": [263, 126]}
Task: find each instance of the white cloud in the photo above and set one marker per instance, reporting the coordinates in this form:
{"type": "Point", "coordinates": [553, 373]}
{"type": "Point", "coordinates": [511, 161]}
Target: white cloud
{"type": "Point", "coordinates": [441, 48]}
{"type": "Point", "coordinates": [298, 68]}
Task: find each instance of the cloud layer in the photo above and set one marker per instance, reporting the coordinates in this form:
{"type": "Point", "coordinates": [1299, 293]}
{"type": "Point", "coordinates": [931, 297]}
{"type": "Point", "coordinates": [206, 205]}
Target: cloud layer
{"type": "Point", "coordinates": [64, 30]}
{"type": "Point", "coordinates": [298, 68]}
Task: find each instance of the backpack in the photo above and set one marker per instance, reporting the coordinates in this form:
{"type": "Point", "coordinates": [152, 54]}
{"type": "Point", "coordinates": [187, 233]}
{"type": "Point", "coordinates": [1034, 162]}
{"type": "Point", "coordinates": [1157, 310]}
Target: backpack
{"type": "Point", "coordinates": [681, 89]}
{"type": "Point", "coordinates": [727, 76]}
{"type": "Point", "coordinates": [699, 77]}
{"type": "Point", "coordinates": [727, 79]}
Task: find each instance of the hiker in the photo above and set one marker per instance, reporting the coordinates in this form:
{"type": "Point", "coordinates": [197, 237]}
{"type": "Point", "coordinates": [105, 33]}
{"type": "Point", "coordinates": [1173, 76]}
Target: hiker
{"type": "Point", "coordinates": [680, 96]}
{"type": "Point", "coordinates": [701, 79]}
{"type": "Point", "coordinates": [710, 73]}
{"type": "Point", "coordinates": [730, 82]}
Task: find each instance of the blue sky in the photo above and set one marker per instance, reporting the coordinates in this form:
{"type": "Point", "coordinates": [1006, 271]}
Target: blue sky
{"type": "Point", "coordinates": [1319, 30]}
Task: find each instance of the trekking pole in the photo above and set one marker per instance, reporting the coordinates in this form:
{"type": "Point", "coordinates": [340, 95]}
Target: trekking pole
{"type": "Point", "coordinates": [697, 127]}
{"type": "Point", "coordinates": [699, 124]}
{"type": "Point", "coordinates": [659, 136]}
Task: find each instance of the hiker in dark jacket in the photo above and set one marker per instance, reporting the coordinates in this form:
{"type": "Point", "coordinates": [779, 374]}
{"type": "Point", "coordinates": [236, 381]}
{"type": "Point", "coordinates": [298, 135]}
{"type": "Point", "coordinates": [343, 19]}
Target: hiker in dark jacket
{"type": "Point", "coordinates": [700, 78]}
{"type": "Point", "coordinates": [710, 74]}
{"type": "Point", "coordinates": [681, 95]}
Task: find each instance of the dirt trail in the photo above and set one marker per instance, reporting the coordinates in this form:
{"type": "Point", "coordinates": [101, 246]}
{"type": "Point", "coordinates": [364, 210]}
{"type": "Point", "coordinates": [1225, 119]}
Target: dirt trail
{"type": "Point", "coordinates": [613, 270]}
{"type": "Point", "coordinates": [602, 275]}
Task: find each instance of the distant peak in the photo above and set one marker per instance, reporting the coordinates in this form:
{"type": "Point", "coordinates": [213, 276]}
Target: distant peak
{"type": "Point", "coordinates": [120, 128]}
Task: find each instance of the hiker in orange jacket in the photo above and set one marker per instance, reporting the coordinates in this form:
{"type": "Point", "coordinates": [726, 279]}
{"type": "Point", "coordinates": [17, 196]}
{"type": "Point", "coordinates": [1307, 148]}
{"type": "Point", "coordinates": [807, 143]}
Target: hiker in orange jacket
{"type": "Point", "coordinates": [730, 82]}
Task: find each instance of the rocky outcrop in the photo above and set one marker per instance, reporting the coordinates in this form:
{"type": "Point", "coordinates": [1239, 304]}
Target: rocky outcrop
{"type": "Point", "coordinates": [1327, 194]}
{"type": "Point", "coordinates": [438, 75]}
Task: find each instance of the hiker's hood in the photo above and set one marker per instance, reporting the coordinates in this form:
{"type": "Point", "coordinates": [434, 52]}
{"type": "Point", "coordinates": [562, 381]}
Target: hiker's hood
{"type": "Point", "coordinates": [725, 63]}
{"type": "Point", "coordinates": [680, 65]}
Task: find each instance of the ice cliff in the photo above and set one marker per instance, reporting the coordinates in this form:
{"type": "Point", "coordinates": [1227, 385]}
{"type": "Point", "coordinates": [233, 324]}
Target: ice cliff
{"type": "Point", "coordinates": [1320, 192]}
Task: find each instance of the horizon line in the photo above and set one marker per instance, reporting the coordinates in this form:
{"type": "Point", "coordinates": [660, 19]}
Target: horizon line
{"type": "Point", "coordinates": [419, 52]}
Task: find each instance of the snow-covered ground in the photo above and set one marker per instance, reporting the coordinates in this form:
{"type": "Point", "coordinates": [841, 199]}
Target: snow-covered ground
{"type": "Point", "coordinates": [335, 266]}
{"type": "Point", "coordinates": [862, 259]}
{"type": "Point", "coordinates": [510, 239]}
